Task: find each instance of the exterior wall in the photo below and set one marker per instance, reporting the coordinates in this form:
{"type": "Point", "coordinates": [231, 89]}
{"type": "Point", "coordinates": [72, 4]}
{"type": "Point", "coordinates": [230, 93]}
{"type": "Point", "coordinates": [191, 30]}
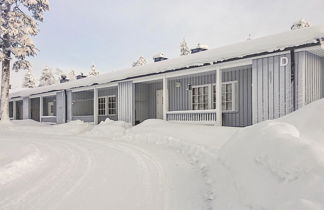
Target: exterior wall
{"type": "Point", "coordinates": [313, 77]}
{"type": "Point", "coordinates": [322, 77]}
{"type": "Point", "coordinates": [180, 97]}
{"type": "Point", "coordinates": [11, 109]}
{"type": "Point", "coordinates": [60, 107]}
{"type": "Point", "coordinates": [272, 88]}
{"type": "Point", "coordinates": [19, 110]}
{"type": "Point", "coordinates": [108, 92]}
{"type": "Point", "coordinates": [126, 102]}
{"type": "Point", "coordinates": [82, 106]}
{"type": "Point", "coordinates": [26, 108]}
{"type": "Point", "coordinates": [145, 100]}
{"type": "Point", "coordinates": [243, 116]}
{"type": "Point", "coordinates": [35, 109]}
{"type": "Point", "coordinates": [69, 105]}
{"type": "Point", "coordinates": [49, 119]}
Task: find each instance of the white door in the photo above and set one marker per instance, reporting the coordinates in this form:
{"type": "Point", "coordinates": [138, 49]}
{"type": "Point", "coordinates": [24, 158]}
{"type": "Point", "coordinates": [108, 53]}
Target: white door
{"type": "Point", "coordinates": [159, 104]}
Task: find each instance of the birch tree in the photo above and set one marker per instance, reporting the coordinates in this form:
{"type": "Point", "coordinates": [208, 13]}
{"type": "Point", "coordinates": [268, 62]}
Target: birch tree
{"type": "Point", "coordinates": [18, 24]}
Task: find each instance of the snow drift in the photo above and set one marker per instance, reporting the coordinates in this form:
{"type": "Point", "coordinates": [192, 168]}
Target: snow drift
{"type": "Point", "coordinates": [275, 165]}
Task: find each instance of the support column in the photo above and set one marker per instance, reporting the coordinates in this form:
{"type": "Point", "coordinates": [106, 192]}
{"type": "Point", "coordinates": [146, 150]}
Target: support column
{"type": "Point", "coordinates": [14, 113]}
{"type": "Point", "coordinates": [219, 109]}
{"type": "Point", "coordinates": [40, 108]}
{"type": "Point", "coordinates": [165, 98]}
{"type": "Point", "coordinates": [95, 106]}
{"type": "Point", "coordinates": [26, 108]}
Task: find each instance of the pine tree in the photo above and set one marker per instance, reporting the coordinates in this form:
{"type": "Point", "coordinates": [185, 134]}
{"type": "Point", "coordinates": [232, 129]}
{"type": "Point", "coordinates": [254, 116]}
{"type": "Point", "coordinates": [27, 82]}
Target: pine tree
{"type": "Point", "coordinates": [300, 24]}
{"type": "Point", "coordinates": [140, 62]}
{"type": "Point", "coordinates": [18, 23]}
{"type": "Point", "coordinates": [71, 76]}
{"type": "Point", "coordinates": [184, 49]}
{"type": "Point", "coordinates": [29, 80]}
{"type": "Point", "coordinates": [93, 72]}
{"type": "Point", "coordinates": [47, 78]}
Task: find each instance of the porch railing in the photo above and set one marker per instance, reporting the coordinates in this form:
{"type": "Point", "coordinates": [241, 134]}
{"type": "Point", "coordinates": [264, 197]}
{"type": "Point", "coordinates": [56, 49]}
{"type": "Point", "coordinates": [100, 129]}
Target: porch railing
{"type": "Point", "coordinates": [200, 116]}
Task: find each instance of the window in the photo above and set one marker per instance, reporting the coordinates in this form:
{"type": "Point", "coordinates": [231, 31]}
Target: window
{"type": "Point", "coordinates": [112, 105]}
{"type": "Point", "coordinates": [107, 105]}
{"type": "Point", "coordinates": [228, 96]}
{"type": "Point", "coordinates": [82, 103]}
{"type": "Point", "coordinates": [200, 98]}
{"type": "Point", "coordinates": [102, 101]}
{"type": "Point", "coordinates": [49, 106]}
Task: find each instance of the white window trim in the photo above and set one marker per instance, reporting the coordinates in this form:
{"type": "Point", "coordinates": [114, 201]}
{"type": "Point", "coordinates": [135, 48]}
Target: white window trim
{"type": "Point", "coordinates": [209, 95]}
{"type": "Point", "coordinates": [106, 105]}
{"type": "Point", "coordinates": [107, 110]}
{"type": "Point", "coordinates": [234, 105]}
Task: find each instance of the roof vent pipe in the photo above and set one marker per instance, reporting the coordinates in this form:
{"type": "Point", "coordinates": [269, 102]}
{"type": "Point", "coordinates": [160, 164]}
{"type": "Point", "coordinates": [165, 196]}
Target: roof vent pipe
{"type": "Point", "coordinates": [199, 48]}
{"type": "Point", "coordinates": [159, 57]}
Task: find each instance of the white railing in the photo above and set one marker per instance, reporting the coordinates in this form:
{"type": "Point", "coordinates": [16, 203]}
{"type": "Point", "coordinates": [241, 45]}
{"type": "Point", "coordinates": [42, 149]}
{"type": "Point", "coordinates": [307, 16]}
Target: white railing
{"type": "Point", "coordinates": [201, 116]}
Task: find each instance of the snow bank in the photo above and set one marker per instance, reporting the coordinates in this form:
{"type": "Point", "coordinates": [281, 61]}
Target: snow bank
{"type": "Point", "coordinates": [274, 165]}
{"type": "Point", "coordinates": [109, 129]}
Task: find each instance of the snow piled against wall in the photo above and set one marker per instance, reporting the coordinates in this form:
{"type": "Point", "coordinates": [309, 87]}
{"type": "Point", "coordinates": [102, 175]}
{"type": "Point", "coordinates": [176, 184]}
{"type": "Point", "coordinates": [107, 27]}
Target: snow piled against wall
{"type": "Point", "coordinates": [275, 165]}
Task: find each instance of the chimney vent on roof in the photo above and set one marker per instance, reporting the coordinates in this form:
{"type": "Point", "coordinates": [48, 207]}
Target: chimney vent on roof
{"type": "Point", "coordinates": [81, 76]}
{"type": "Point", "coordinates": [63, 78]}
{"type": "Point", "coordinates": [159, 57]}
{"type": "Point", "coordinates": [199, 48]}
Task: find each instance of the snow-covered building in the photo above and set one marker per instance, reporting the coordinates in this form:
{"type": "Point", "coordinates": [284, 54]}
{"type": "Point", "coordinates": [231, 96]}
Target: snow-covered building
{"type": "Point", "coordinates": [235, 85]}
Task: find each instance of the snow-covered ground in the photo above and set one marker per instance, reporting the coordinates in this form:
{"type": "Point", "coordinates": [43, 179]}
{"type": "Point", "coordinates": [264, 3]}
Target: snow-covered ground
{"type": "Point", "coordinates": [275, 165]}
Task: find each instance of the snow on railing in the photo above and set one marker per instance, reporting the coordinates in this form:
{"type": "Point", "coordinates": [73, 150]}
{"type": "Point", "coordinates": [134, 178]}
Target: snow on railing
{"type": "Point", "coordinates": [204, 116]}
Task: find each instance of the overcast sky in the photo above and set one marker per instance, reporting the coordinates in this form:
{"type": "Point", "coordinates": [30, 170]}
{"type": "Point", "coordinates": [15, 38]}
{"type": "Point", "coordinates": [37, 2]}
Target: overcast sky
{"type": "Point", "coordinates": [113, 34]}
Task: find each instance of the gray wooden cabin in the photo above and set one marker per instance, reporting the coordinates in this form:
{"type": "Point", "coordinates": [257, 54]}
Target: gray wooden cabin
{"type": "Point", "coordinates": [237, 85]}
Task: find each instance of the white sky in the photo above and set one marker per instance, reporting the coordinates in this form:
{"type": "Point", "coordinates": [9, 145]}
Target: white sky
{"type": "Point", "coordinates": [113, 34]}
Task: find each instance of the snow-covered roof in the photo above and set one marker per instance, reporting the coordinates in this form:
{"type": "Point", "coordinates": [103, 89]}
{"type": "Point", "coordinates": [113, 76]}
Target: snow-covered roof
{"type": "Point", "coordinates": [266, 44]}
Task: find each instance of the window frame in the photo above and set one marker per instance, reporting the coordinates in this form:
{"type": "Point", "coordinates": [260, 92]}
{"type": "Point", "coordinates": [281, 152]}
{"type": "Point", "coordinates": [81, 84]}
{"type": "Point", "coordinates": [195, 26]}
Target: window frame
{"type": "Point", "coordinates": [112, 96]}
{"type": "Point", "coordinates": [208, 95]}
{"type": "Point", "coordinates": [107, 105]}
{"type": "Point", "coordinates": [233, 100]}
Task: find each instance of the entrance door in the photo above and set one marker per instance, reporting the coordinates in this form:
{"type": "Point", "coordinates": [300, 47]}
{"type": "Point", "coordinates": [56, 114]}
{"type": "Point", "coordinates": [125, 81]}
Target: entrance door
{"type": "Point", "coordinates": [159, 104]}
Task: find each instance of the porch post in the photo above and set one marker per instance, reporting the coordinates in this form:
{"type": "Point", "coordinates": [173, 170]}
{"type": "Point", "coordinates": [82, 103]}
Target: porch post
{"type": "Point", "coordinates": [40, 108]}
{"type": "Point", "coordinates": [95, 106]}
{"type": "Point", "coordinates": [219, 108]}
{"type": "Point", "coordinates": [14, 114]}
{"type": "Point", "coordinates": [165, 98]}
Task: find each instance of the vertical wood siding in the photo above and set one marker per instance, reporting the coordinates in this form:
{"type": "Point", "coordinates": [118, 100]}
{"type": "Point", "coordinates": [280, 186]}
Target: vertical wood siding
{"type": "Point", "coordinates": [313, 77]}
{"type": "Point", "coordinates": [34, 109]}
{"type": "Point", "coordinates": [60, 107]}
{"type": "Point", "coordinates": [69, 105]}
{"type": "Point", "coordinates": [145, 100]}
{"type": "Point", "coordinates": [243, 115]}
{"type": "Point", "coordinates": [272, 88]}
{"type": "Point", "coordinates": [19, 110]}
{"type": "Point", "coordinates": [126, 102]}
{"type": "Point", "coordinates": [108, 92]}
{"type": "Point", "coordinates": [26, 108]}
{"type": "Point", "coordinates": [179, 97]}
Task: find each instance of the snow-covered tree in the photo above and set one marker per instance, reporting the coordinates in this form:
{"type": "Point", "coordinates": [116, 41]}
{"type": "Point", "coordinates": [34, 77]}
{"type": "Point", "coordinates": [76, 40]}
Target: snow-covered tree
{"type": "Point", "coordinates": [71, 75]}
{"type": "Point", "coordinates": [18, 23]}
{"type": "Point", "coordinates": [93, 72]}
{"type": "Point", "coordinates": [58, 74]}
{"type": "Point", "coordinates": [140, 62]}
{"type": "Point", "coordinates": [47, 78]}
{"type": "Point", "coordinates": [184, 49]}
{"type": "Point", "coordinates": [300, 24]}
{"type": "Point", "coordinates": [29, 80]}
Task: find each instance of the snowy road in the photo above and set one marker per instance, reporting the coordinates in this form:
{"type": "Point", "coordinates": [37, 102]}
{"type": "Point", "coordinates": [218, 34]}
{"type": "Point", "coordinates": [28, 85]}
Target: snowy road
{"type": "Point", "coordinates": [40, 170]}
